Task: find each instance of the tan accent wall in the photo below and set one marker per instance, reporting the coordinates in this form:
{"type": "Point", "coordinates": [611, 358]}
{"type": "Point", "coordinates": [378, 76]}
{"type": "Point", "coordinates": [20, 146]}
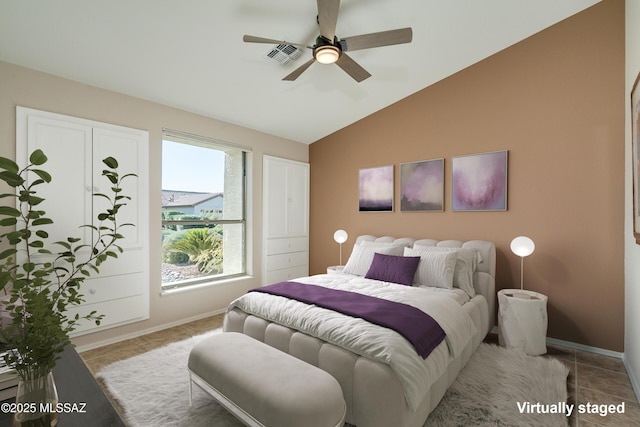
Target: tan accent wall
{"type": "Point", "coordinates": [556, 102]}
{"type": "Point", "coordinates": [33, 89]}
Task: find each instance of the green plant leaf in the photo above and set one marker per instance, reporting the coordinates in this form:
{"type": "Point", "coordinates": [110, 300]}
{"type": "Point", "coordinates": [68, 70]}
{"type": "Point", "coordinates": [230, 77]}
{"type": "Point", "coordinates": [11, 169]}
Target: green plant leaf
{"type": "Point", "coordinates": [110, 162]}
{"type": "Point", "coordinates": [8, 252]}
{"type": "Point", "coordinates": [8, 165]}
{"type": "Point", "coordinates": [14, 237]}
{"type": "Point", "coordinates": [8, 222]}
{"type": "Point", "coordinates": [37, 157]}
{"type": "Point", "coordinates": [4, 279]}
{"type": "Point", "coordinates": [80, 247]}
{"type": "Point", "coordinates": [9, 211]}
{"type": "Point", "coordinates": [11, 178]}
{"type": "Point", "coordinates": [64, 244]}
{"type": "Point", "coordinates": [44, 175]}
{"type": "Point", "coordinates": [34, 200]}
{"type": "Point", "coordinates": [42, 221]}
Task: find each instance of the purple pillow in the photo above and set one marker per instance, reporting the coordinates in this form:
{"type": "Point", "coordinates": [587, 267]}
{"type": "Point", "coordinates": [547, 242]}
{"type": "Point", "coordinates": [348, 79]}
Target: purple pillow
{"type": "Point", "coordinates": [395, 269]}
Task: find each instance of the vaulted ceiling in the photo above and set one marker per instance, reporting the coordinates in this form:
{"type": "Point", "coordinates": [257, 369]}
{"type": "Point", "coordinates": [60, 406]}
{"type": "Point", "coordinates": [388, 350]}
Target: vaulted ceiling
{"type": "Point", "coordinates": [189, 54]}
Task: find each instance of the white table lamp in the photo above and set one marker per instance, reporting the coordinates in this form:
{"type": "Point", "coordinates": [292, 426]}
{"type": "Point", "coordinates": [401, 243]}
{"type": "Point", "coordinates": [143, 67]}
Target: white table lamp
{"type": "Point", "coordinates": [523, 247]}
{"type": "Point", "coordinates": [340, 237]}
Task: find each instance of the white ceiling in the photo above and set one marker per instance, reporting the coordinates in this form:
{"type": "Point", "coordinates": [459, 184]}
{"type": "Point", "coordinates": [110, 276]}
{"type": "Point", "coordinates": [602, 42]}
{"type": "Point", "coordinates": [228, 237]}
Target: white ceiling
{"type": "Point", "coordinates": [189, 54]}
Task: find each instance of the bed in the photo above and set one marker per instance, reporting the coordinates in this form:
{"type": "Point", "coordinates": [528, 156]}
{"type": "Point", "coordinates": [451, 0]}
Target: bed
{"type": "Point", "coordinates": [383, 378]}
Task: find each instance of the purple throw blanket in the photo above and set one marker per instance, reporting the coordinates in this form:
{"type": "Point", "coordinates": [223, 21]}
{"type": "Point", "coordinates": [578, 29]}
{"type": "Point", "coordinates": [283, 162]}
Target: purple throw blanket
{"type": "Point", "coordinates": [417, 327]}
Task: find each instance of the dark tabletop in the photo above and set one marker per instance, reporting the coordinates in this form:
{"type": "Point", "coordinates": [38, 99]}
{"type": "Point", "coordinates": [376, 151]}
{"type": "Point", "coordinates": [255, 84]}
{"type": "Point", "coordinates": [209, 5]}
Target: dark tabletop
{"type": "Point", "coordinates": [85, 404]}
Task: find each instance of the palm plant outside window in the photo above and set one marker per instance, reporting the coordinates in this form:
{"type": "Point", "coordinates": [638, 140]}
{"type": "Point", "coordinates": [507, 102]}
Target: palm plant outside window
{"type": "Point", "coordinates": [203, 210]}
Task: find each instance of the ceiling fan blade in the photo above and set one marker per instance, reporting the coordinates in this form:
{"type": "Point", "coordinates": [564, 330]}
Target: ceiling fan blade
{"type": "Point", "coordinates": [352, 68]}
{"type": "Point", "coordinates": [301, 69]}
{"type": "Point", "coordinates": [254, 39]}
{"type": "Point", "coordinates": [382, 38]}
{"type": "Point", "coordinates": [328, 17]}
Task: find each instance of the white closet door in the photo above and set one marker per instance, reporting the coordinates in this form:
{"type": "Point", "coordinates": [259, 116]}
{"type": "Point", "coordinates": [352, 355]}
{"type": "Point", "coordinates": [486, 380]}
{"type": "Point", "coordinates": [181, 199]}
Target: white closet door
{"type": "Point", "coordinates": [298, 199]}
{"type": "Point", "coordinates": [127, 147]}
{"type": "Point", "coordinates": [68, 197]}
{"type": "Point", "coordinates": [275, 197]}
{"type": "Point", "coordinates": [286, 197]}
{"type": "Point", "coordinates": [286, 219]}
{"type": "Point", "coordinates": [75, 149]}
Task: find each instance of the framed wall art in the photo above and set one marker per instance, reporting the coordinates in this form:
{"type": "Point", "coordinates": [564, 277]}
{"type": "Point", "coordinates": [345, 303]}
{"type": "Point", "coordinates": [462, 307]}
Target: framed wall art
{"type": "Point", "coordinates": [375, 191]}
{"type": "Point", "coordinates": [479, 182]}
{"type": "Point", "coordinates": [422, 186]}
{"type": "Point", "coordinates": [635, 156]}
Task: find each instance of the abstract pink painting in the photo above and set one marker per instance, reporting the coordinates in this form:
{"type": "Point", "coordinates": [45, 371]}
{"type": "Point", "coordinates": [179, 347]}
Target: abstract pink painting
{"type": "Point", "coordinates": [479, 182]}
{"type": "Point", "coordinates": [376, 189]}
{"type": "Point", "coordinates": [422, 186]}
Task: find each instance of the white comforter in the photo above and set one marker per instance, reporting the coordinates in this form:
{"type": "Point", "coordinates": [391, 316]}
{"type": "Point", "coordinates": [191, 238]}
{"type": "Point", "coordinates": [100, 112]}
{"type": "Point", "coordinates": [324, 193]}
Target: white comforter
{"type": "Point", "coordinates": [361, 337]}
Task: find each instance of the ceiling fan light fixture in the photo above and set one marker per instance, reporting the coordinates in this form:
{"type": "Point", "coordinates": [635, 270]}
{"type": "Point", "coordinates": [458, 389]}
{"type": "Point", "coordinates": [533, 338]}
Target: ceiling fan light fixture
{"type": "Point", "coordinates": [327, 54]}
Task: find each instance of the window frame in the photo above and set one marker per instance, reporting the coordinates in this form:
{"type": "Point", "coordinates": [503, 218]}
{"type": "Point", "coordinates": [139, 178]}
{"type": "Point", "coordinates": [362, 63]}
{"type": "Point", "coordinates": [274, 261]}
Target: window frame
{"type": "Point", "coordinates": [215, 144]}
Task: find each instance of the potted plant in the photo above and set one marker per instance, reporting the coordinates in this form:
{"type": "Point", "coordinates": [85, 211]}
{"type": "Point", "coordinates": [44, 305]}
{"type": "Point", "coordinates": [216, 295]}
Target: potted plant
{"type": "Point", "coordinates": [41, 283]}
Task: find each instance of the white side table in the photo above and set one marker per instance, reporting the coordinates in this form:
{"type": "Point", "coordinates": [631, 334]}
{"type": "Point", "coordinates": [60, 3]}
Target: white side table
{"type": "Point", "coordinates": [522, 320]}
{"type": "Point", "coordinates": [335, 269]}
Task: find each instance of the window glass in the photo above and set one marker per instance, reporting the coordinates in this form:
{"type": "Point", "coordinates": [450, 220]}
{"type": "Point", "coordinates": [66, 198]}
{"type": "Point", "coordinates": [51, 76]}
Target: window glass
{"type": "Point", "coordinates": [203, 210]}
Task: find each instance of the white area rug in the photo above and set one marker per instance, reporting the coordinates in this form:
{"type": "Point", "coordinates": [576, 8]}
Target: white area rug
{"type": "Point", "coordinates": [499, 386]}
{"type": "Point", "coordinates": [153, 389]}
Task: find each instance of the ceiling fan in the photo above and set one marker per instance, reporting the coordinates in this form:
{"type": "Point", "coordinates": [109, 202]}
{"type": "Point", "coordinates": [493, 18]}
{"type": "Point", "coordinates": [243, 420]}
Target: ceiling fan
{"type": "Point", "coordinates": [329, 49]}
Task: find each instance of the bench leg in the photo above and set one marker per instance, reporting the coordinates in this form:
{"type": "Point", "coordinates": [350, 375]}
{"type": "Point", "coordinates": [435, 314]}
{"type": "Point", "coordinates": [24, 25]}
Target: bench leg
{"type": "Point", "coordinates": [238, 412]}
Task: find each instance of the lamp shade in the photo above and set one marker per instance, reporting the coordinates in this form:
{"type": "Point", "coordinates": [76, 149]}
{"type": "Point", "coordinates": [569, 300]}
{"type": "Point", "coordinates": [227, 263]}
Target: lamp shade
{"type": "Point", "coordinates": [340, 236]}
{"type": "Point", "coordinates": [326, 54]}
{"type": "Point", "coordinates": [522, 246]}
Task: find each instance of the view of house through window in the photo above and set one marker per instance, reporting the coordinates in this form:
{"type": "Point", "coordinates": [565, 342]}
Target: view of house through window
{"type": "Point", "coordinates": [203, 210]}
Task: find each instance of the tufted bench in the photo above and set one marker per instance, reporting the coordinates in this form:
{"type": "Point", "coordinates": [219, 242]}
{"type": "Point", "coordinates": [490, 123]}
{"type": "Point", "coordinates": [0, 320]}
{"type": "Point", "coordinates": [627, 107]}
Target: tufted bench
{"type": "Point", "coordinates": [263, 386]}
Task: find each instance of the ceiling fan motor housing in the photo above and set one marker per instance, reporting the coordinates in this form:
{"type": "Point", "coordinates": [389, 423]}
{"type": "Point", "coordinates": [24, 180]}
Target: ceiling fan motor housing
{"type": "Point", "coordinates": [326, 52]}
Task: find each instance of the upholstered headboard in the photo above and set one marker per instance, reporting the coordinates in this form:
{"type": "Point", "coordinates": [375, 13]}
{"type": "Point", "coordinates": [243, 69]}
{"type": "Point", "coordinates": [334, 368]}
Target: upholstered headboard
{"type": "Point", "coordinates": [484, 280]}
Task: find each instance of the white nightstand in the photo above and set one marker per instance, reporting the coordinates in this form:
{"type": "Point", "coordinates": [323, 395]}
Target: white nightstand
{"type": "Point", "coordinates": [522, 320]}
{"type": "Point", "coordinates": [335, 269]}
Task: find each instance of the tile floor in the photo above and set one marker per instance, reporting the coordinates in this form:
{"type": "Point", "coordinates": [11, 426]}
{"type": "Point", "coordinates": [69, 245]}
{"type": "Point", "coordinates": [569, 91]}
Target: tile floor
{"type": "Point", "coordinates": [593, 378]}
{"type": "Point", "coordinates": [98, 358]}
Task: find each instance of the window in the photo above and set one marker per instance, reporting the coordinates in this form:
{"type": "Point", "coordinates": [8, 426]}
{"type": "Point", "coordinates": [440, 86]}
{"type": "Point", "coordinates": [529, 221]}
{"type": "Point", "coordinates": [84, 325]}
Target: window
{"type": "Point", "coordinates": [203, 210]}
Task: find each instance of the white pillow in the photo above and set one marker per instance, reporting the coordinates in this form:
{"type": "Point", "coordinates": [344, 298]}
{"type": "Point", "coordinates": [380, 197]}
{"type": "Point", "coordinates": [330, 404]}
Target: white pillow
{"type": "Point", "coordinates": [466, 264]}
{"type": "Point", "coordinates": [374, 244]}
{"type": "Point", "coordinates": [436, 268]}
{"type": "Point", "coordinates": [362, 256]}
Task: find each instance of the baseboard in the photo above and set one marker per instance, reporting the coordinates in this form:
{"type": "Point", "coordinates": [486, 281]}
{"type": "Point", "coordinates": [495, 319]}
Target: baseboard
{"type": "Point", "coordinates": [632, 377]}
{"type": "Point", "coordinates": [141, 332]}
{"type": "Point", "coordinates": [576, 346]}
